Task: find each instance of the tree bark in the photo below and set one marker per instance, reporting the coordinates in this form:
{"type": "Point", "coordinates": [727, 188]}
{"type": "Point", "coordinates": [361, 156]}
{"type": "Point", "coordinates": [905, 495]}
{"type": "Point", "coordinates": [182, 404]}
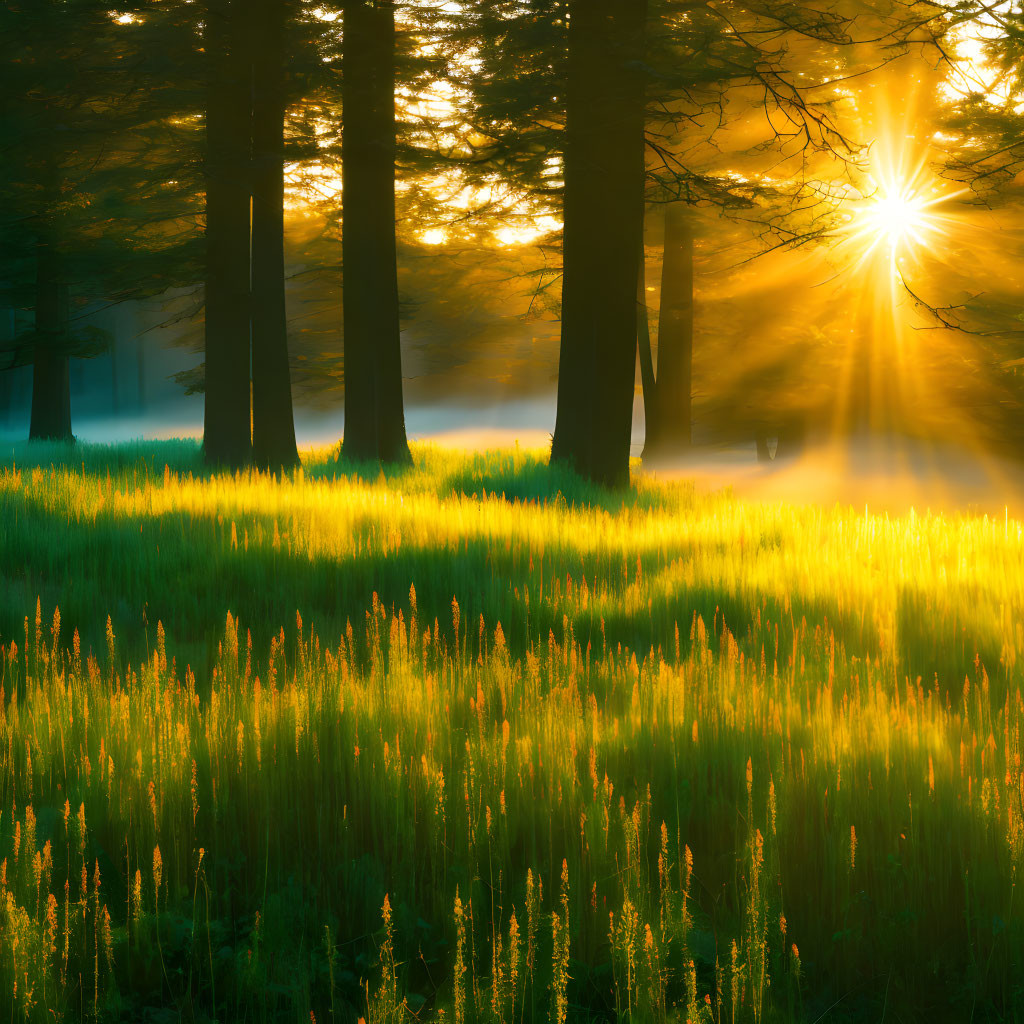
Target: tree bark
{"type": "Point", "coordinates": [227, 426]}
{"type": "Point", "coordinates": [648, 377]}
{"type": "Point", "coordinates": [374, 407]}
{"type": "Point", "coordinates": [602, 238]}
{"type": "Point", "coordinates": [675, 335]}
{"type": "Point", "coordinates": [51, 385]}
{"type": "Point", "coordinates": [273, 423]}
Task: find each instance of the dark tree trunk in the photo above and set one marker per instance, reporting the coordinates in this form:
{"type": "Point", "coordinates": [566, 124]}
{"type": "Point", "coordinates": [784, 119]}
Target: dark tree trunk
{"type": "Point", "coordinates": [226, 436]}
{"type": "Point", "coordinates": [602, 238]}
{"type": "Point", "coordinates": [675, 335]}
{"type": "Point", "coordinates": [374, 410]}
{"type": "Point", "coordinates": [273, 424]}
{"type": "Point", "coordinates": [51, 385]}
{"type": "Point", "coordinates": [647, 372]}
{"type": "Point", "coordinates": [8, 354]}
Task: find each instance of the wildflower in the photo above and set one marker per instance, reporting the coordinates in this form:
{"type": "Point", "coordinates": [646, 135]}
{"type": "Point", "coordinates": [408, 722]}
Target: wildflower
{"type": "Point", "coordinates": [158, 871]}
{"type": "Point", "coordinates": [460, 961]}
{"type": "Point", "coordinates": [51, 923]}
{"type": "Point", "coordinates": [107, 938]}
{"type": "Point", "coordinates": [137, 896]}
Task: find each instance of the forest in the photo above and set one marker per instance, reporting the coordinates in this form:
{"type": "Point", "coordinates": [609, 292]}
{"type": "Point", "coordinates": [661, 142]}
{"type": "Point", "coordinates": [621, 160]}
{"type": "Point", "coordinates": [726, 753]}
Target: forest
{"type": "Point", "coordinates": [511, 510]}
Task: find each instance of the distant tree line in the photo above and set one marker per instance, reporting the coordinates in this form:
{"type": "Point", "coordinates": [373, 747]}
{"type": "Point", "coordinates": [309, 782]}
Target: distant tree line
{"type": "Point", "coordinates": [147, 147]}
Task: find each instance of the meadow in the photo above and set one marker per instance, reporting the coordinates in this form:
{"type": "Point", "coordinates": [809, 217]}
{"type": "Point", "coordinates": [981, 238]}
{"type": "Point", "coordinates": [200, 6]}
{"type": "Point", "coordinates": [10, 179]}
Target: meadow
{"type": "Point", "coordinates": [476, 741]}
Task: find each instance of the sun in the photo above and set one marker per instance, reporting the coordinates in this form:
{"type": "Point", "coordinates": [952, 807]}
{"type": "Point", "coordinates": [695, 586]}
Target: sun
{"type": "Point", "coordinates": [894, 219]}
{"type": "Point", "coordinates": [898, 218]}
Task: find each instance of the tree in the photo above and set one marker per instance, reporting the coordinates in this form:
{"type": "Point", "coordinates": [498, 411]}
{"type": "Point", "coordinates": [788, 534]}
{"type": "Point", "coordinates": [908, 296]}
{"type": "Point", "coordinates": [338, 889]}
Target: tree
{"type": "Point", "coordinates": [982, 138]}
{"type": "Point", "coordinates": [374, 412]}
{"type": "Point", "coordinates": [273, 424]}
{"type": "Point", "coordinates": [100, 181]}
{"type": "Point", "coordinates": [602, 237]}
{"type": "Point", "coordinates": [703, 68]}
{"type": "Point", "coordinates": [668, 398]}
{"type": "Point", "coordinates": [51, 389]}
{"type": "Point", "coordinates": [226, 428]}
{"type": "Point", "coordinates": [57, 91]}
{"type": "Point", "coordinates": [734, 123]}
{"type": "Point", "coordinates": [246, 321]}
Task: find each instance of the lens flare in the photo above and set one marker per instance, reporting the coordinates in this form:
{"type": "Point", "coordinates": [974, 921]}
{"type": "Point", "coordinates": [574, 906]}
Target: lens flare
{"type": "Point", "coordinates": [898, 217]}
{"type": "Point", "coordinates": [894, 220]}
{"type": "Point", "coordinates": [897, 229]}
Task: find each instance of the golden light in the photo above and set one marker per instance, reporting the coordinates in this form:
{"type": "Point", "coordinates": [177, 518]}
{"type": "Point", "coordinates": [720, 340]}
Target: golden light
{"type": "Point", "coordinates": [896, 234]}
{"type": "Point", "coordinates": [897, 218]}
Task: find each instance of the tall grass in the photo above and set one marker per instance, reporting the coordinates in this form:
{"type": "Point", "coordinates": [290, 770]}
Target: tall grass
{"type": "Point", "coordinates": [528, 750]}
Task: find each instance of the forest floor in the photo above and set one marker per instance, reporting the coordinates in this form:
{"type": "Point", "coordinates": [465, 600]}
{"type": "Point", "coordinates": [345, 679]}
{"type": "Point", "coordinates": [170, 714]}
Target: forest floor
{"type": "Point", "coordinates": [476, 740]}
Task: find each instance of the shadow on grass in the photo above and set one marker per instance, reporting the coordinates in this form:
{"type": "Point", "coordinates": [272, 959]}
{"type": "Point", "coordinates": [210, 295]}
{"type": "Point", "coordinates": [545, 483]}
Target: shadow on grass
{"type": "Point", "coordinates": [337, 466]}
{"type": "Point", "coordinates": [182, 456]}
{"type": "Point", "coordinates": [521, 478]}
{"type": "Point", "coordinates": [147, 460]}
{"type": "Point", "coordinates": [186, 571]}
{"type": "Point", "coordinates": [512, 475]}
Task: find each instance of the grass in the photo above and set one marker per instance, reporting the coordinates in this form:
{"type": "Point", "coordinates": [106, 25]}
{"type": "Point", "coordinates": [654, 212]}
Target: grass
{"type": "Point", "coordinates": [477, 742]}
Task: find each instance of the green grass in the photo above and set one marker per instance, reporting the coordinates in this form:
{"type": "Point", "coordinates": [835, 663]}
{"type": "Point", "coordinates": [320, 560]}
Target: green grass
{"type": "Point", "coordinates": [475, 739]}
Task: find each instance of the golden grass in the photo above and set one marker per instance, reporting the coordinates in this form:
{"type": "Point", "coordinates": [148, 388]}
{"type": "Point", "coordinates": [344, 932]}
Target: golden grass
{"type": "Point", "coordinates": [661, 755]}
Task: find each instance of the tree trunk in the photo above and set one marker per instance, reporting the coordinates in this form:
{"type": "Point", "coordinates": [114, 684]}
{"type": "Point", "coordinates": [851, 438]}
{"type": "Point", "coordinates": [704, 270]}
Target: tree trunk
{"type": "Point", "coordinates": [51, 385]}
{"type": "Point", "coordinates": [602, 238]}
{"type": "Point", "coordinates": [273, 424]}
{"type": "Point", "coordinates": [675, 335]}
{"type": "Point", "coordinates": [8, 354]}
{"type": "Point", "coordinates": [226, 436]}
{"type": "Point", "coordinates": [374, 408]}
{"type": "Point", "coordinates": [647, 373]}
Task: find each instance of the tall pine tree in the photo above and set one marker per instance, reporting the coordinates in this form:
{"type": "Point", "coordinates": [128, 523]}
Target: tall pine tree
{"type": "Point", "coordinates": [374, 410]}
